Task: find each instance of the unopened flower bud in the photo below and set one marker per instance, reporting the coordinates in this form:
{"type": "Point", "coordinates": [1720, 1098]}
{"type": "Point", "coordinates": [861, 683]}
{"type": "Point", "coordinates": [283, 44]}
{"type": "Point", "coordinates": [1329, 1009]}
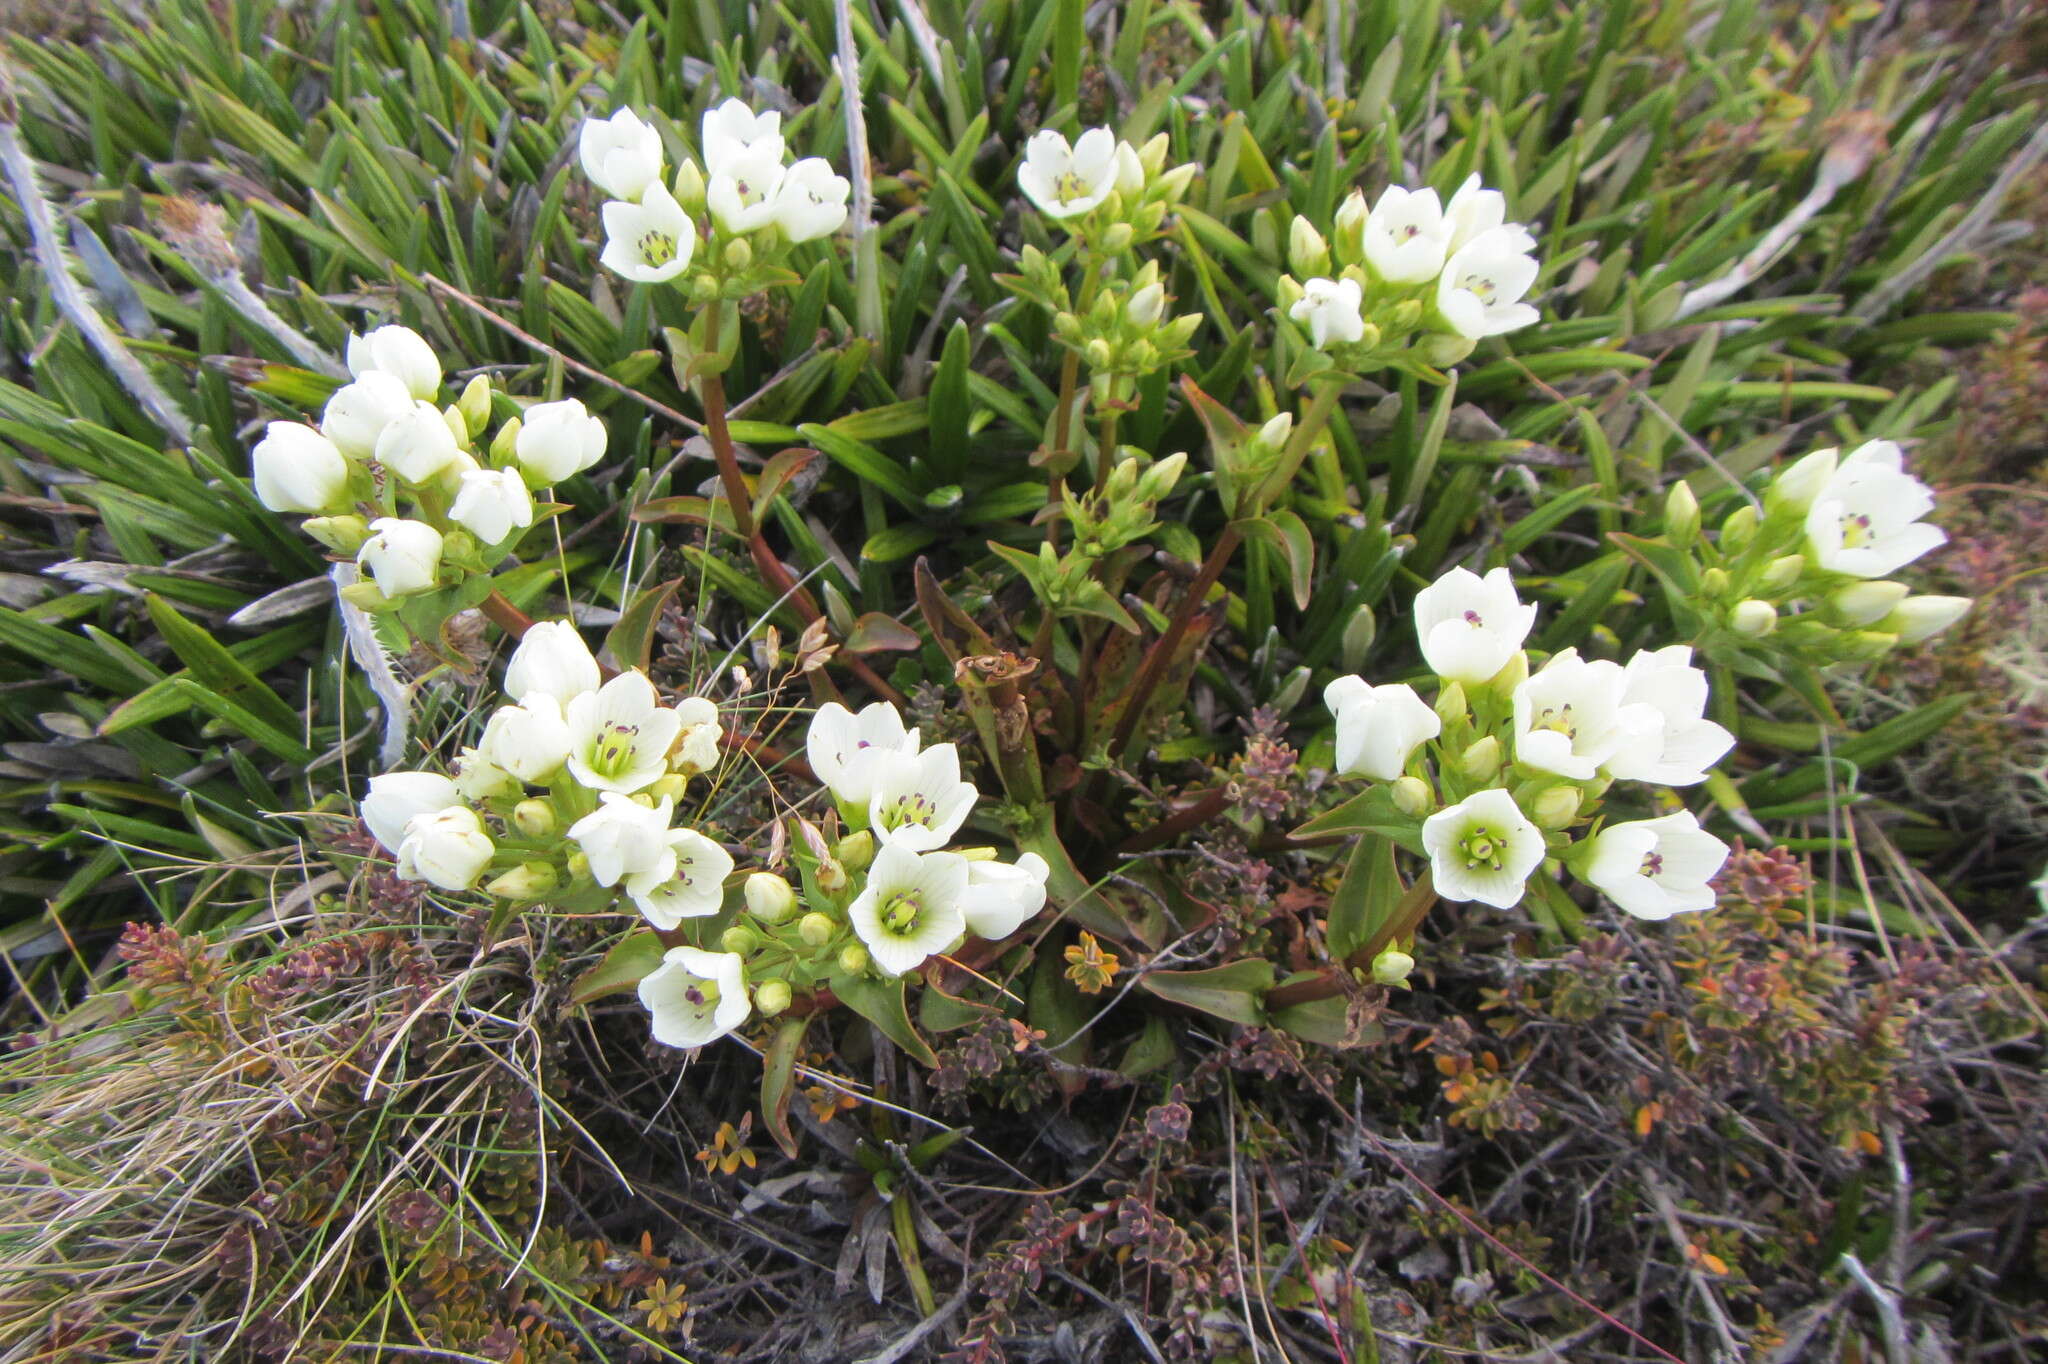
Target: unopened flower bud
{"type": "Point", "coordinates": [1864, 646]}
{"type": "Point", "coordinates": [771, 997]}
{"type": "Point", "coordinates": [579, 865]}
{"type": "Point", "coordinates": [1753, 618]}
{"type": "Point", "coordinates": [1867, 603]}
{"type": "Point", "coordinates": [1411, 795]}
{"type": "Point", "coordinates": [1117, 238]}
{"type": "Point", "coordinates": [1357, 639]}
{"type": "Point", "coordinates": [1442, 349]}
{"type": "Point", "coordinates": [527, 881]}
{"type": "Point", "coordinates": [769, 898]}
{"type": "Point", "coordinates": [1556, 807]}
{"type": "Point", "coordinates": [342, 534]}
{"type": "Point", "coordinates": [739, 938]}
{"type": "Point", "coordinates": [1350, 227]}
{"type": "Point", "coordinates": [738, 255]}
{"type": "Point", "coordinates": [505, 444]}
{"type": "Point", "coordinates": [1173, 185]}
{"type": "Point", "coordinates": [1403, 316]}
{"type": "Point", "coordinates": [1275, 434]}
{"type": "Point", "coordinates": [831, 876]}
{"type": "Point", "coordinates": [816, 929]}
{"type": "Point", "coordinates": [1714, 583]}
{"type": "Point", "coordinates": [475, 406]}
{"type": "Point", "coordinates": [1512, 674]}
{"type": "Point", "coordinates": [853, 959]}
{"type": "Point", "coordinates": [1158, 481]}
{"type": "Point", "coordinates": [1098, 354]}
{"type": "Point", "coordinates": [1681, 514]}
{"type": "Point", "coordinates": [1920, 618]}
{"type": "Point", "coordinates": [1783, 571]}
{"type": "Point", "coordinates": [1391, 967]}
{"type": "Point", "coordinates": [1450, 703]}
{"type": "Point", "coordinates": [855, 851]}
{"type": "Point", "coordinates": [1481, 759]}
{"type": "Point", "coordinates": [1739, 529]}
{"type": "Point", "coordinates": [1143, 307]}
{"type": "Point", "coordinates": [535, 818]}
{"type": "Point", "coordinates": [672, 785]}
{"type": "Point", "coordinates": [1307, 253]}
{"type": "Point", "coordinates": [690, 187]}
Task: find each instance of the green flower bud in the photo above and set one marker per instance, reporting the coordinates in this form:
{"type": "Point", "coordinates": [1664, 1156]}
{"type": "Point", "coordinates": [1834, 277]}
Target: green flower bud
{"type": "Point", "coordinates": [1864, 646]}
{"type": "Point", "coordinates": [1557, 807]}
{"type": "Point", "coordinates": [855, 851]}
{"type": "Point", "coordinates": [1450, 703]}
{"type": "Point", "coordinates": [475, 406]}
{"type": "Point", "coordinates": [504, 445]}
{"type": "Point", "coordinates": [672, 785]}
{"type": "Point", "coordinates": [739, 938]}
{"type": "Point", "coordinates": [1481, 760]}
{"type": "Point", "coordinates": [769, 898]}
{"type": "Point", "coordinates": [1783, 571]}
{"type": "Point", "coordinates": [1714, 583]}
{"type": "Point", "coordinates": [1739, 529]}
{"type": "Point", "coordinates": [365, 596]}
{"type": "Point", "coordinates": [1681, 514]}
{"type": "Point", "coordinates": [1359, 634]}
{"type": "Point", "coordinates": [1403, 316]}
{"type": "Point", "coordinates": [1173, 185]}
{"type": "Point", "coordinates": [1920, 618]}
{"type": "Point", "coordinates": [771, 997]}
{"type": "Point", "coordinates": [579, 866]}
{"type": "Point", "coordinates": [1117, 238]}
{"type": "Point", "coordinates": [1442, 349]}
{"type": "Point", "coordinates": [1412, 795]}
{"type": "Point", "coordinates": [738, 254]}
{"type": "Point", "coordinates": [1098, 354]}
{"type": "Point", "coordinates": [1753, 618]}
{"type": "Point", "coordinates": [853, 959]}
{"type": "Point", "coordinates": [1512, 674]}
{"type": "Point", "coordinates": [1391, 967]}
{"type": "Point", "coordinates": [342, 534]}
{"type": "Point", "coordinates": [689, 189]}
{"type": "Point", "coordinates": [527, 881]}
{"type": "Point", "coordinates": [831, 875]}
{"type": "Point", "coordinates": [816, 929]}
{"type": "Point", "coordinates": [458, 424]}
{"type": "Point", "coordinates": [1307, 252]}
{"type": "Point", "coordinates": [535, 818]}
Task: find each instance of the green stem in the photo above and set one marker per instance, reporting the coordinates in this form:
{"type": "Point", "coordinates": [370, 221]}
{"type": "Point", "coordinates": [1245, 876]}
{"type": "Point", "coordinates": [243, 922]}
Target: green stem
{"type": "Point", "coordinates": [713, 385]}
{"type": "Point", "coordinates": [906, 1251]}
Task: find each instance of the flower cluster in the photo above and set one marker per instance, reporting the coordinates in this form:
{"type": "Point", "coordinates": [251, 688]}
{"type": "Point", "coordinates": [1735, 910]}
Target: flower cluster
{"type": "Point", "coordinates": [1101, 188]}
{"type": "Point", "coordinates": [1410, 279]}
{"type": "Point", "coordinates": [1807, 576]}
{"type": "Point", "coordinates": [730, 218]}
{"type": "Point", "coordinates": [611, 761]}
{"type": "Point", "coordinates": [1508, 762]}
{"type": "Point", "coordinates": [408, 489]}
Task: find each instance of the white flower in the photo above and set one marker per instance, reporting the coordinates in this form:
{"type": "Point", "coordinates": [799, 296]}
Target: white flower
{"type": "Point", "coordinates": [1474, 210]}
{"type": "Point", "coordinates": [919, 801]}
{"type": "Point", "coordinates": [1378, 728]}
{"type": "Point", "coordinates": [551, 660]}
{"type": "Point", "coordinates": [624, 838]}
{"type": "Point", "coordinates": [492, 503]}
{"type": "Point", "coordinates": [558, 439]}
{"type": "Point", "coordinates": [418, 445]}
{"type": "Point", "coordinates": [1683, 744]}
{"type": "Point", "coordinates": [1332, 310]}
{"type": "Point", "coordinates": [1655, 868]}
{"type": "Point", "coordinates": [744, 196]}
{"type": "Point", "coordinates": [1480, 292]}
{"type": "Point", "coordinates": [695, 996]}
{"type": "Point", "coordinates": [733, 132]}
{"type": "Point", "coordinates": [842, 747]}
{"type": "Point", "coordinates": [297, 469]}
{"type": "Point", "coordinates": [531, 741]}
{"type": "Point", "coordinates": [1482, 848]}
{"type": "Point", "coordinates": [446, 847]}
{"type": "Point", "coordinates": [403, 556]}
{"type": "Point", "coordinates": [1406, 236]}
{"type": "Point", "coordinates": [700, 739]}
{"type": "Point", "coordinates": [650, 241]}
{"type": "Point", "coordinates": [358, 413]}
{"type": "Point", "coordinates": [811, 201]}
{"type": "Point", "coordinates": [620, 735]}
{"type": "Point", "coordinates": [395, 797]}
{"type": "Point", "coordinates": [620, 154]}
{"type": "Point", "coordinates": [1569, 718]}
{"type": "Point", "coordinates": [1065, 180]}
{"type": "Point", "coordinates": [1469, 626]}
{"type": "Point", "coordinates": [910, 907]}
{"type": "Point", "coordinates": [1865, 521]}
{"type": "Point", "coordinates": [1920, 618]}
{"type": "Point", "coordinates": [1001, 896]}
{"type": "Point", "coordinates": [693, 887]}
{"type": "Point", "coordinates": [401, 353]}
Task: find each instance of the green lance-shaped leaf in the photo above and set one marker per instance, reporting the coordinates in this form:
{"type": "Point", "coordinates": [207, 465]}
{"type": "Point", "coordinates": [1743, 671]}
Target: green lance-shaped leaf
{"type": "Point", "coordinates": [1232, 991]}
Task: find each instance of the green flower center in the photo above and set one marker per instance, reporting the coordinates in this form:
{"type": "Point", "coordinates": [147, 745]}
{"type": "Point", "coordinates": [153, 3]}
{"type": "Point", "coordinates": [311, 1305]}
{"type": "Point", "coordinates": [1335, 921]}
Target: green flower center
{"type": "Point", "coordinates": [902, 911]}
{"type": "Point", "coordinates": [657, 247]}
{"type": "Point", "coordinates": [1482, 847]}
{"type": "Point", "coordinates": [1855, 531]}
{"type": "Point", "coordinates": [613, 754]}
{"type": "Point", "coordinates": [701, 993]}
{"type": "Point", "coordinates": [913, 808]}
{"type": "Point", "coordinates": [1068, 187]}
{"type": "Point", "coordinates": [1558, 719]}
{"type": "Point", "coordinates": [1653, 865]}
